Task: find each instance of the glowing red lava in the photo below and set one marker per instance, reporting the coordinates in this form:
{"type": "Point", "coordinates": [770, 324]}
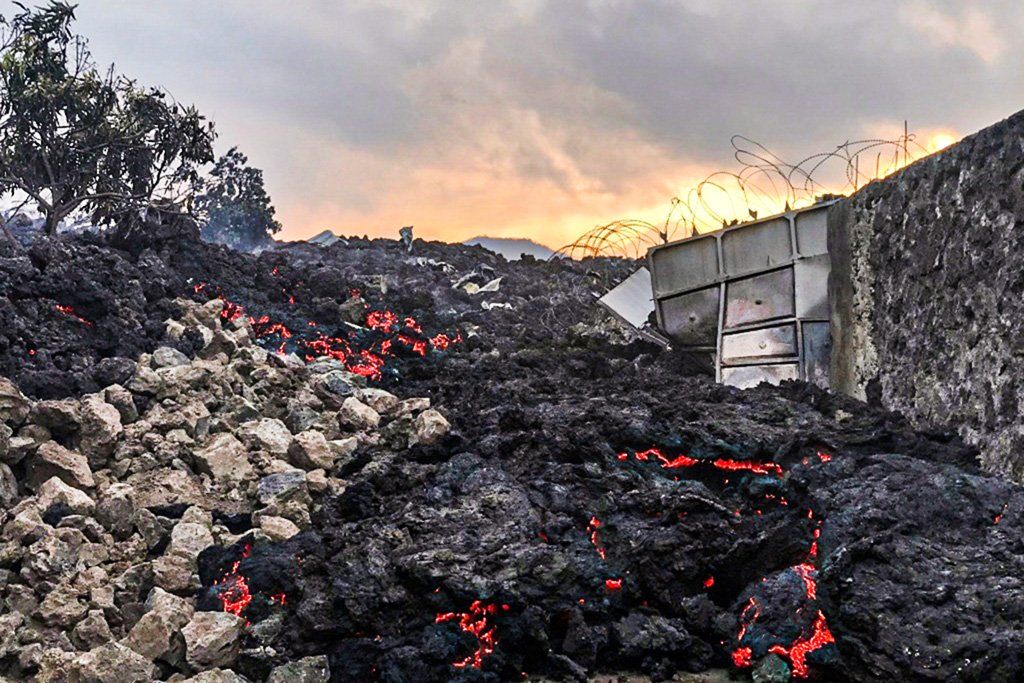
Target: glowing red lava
{"type": "Point", "coordinates": [368, 361]}
{"type": "Point", "coordinates": [234, 593]}
{"type": "Point", "coordinates": [592, 528]}
{"type": "Point", "coordinates": [68, 310]}
{"type": "Point", "coordinates": [475, 622]}
{"type": "Point", "coordinates": [797, 652]}
{"type": "Point", "coordinates": [720, 463]}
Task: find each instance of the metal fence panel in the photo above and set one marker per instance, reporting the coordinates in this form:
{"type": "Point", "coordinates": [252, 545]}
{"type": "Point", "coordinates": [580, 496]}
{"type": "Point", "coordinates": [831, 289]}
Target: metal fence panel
{"type": "Point", "coordinates": [752, 375]}
{"type": "Point", "coordinates": [684, 265]}
{"type": "Point", "coordinates": [812, 287]}
{"type": "Point", "coordinates": [756, 247]}
{"type": "Point", "coordinates": [817, 351]}
{"type": "Point", "coordinates": [812, 232]}
{"type": "Point", "coordinates": [692, 319]}
{"type": "Point", "coordinates": [772, 342]}
{"type": "Point", "coordinates": [631, 300]}
{"type": "Point", "coordinates": [759, 298]}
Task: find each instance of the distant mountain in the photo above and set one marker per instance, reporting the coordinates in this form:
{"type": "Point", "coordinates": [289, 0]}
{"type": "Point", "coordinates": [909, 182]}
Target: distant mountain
{"type": "Point", "coordinates": [511, 248]}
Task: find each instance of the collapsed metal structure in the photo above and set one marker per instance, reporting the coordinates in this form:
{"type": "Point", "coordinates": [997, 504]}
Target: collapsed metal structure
{"type": "Point", "coordinates": [752, 298]}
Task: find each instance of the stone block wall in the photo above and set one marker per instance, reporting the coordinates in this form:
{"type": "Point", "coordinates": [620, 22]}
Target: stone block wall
{"type": "Point", "coordinates": [927, 292]}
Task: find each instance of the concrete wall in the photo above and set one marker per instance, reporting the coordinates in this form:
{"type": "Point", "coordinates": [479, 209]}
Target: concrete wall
{"type": "Point", "coordinates": [927, 293]}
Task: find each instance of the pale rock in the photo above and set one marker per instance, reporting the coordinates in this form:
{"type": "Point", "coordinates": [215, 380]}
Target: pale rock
{"type": "Point", "coordinates": [56, 554]}
{"type": "Point", "coordinates": [112, 663]}
{"type": "Point", "coordinates": [116, 510]}
{"type": "Point", "coordinates": [188, 539]}
{"type": "Point", "coordinates": [157, 635]}
{"type": "Point", "coordinates": [225, 459]}
{"type": "Point", "coordinates": [99, 431]}
{"type": "Point", "coordinates": [411, 406]}
{"type": "Point", "coordinates": [175, 570]}
{"type": "Point", "coordinates": [196, 418]}
{"type": "Point", "coordinates": [119, 397]}
{"type": "Point", "coordinates": [212, 639]}
{"type": "Point", "coordinates": [356, 415]}
{"type": "Point", "coordinates": [288, 360]}
{"type": "Point", "coordinates": [167, 357]}
{"type": "Point", "coordinates": [54, 490]}
{"type": "Point", "coordinates": [383, 402]}
{"type": "Point", "coordinates": [209, 313]}
{"type": "Point", "coordinates": [8, 487]}
{"type": "Point", "coordinates": [268, 434]}
{"type": "Point", "coordinates": [317, 481]}
{"type": "Point", "coordinates": [62, 606]}
{"type": "Point", "coordinates": [54, 664]}
{"type": "Point", "coordinates": [310, 450]}
{"type": "Point", "coordinates": [428, 428]}
{"type": "Point", "coordinates": [305, 670]}
{"type": "Point", "coordinates": [146, 381]}
{"type": "Point", "coordinates": [59, 416]}
{"type": "Point", "coordinates": [27, 523]}
{"type": "Point", "coordinates": [53, 460]}
{"type": "Point", "coordinates": [162, 487]}
{"type": "Point", "coordinates": [174, 329]}
{"type": "Point", "coordinates": [92, 631]}
{"type": "Point", "coordinates": [216, 676]}
{"type": "Point", "coordinates": [198, 515]}
{"type": "Point", "coordinates": [278, 528]}
{"type": "Point", "coordinates": [10, 623]}
{"type": "Point", "coordinates": [175, 573]}
{"type": "Point", "coordinates": [149, 527]}
{"type": "Point", "coordinates": [14, 407]}
{"type": "Point", "coordinates": [220, 343]}
{"type": "Point", "coordinates": [345, 448]}
{"type": "Point", "coordinates": [5, 442]}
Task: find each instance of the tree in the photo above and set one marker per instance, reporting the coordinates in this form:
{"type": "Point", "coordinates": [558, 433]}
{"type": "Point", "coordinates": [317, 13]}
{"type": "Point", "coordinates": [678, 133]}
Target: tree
{"type": "Point", "coordinates": [233, 205]}
{"type": "Point", "coordinates": [74, 138]}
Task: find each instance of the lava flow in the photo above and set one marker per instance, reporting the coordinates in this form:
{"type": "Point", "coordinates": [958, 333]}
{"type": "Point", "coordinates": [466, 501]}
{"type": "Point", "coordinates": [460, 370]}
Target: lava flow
{"type": "Point", "coordinates": [475, 622]}
{"type": "Point", "coordinates": [820, 635]}
{"type": "Point", "coordinates": [592, 528]}
{"type": "Point", "coordinates": [68, 310]}
{"type": "Point", "coordinates": [720, 463]}
{"type": "Point", "coordinates": [234, 594]}
{"type": "Point", "coordinates": [233, 589]}
{"type": "Point", "coordinates": [366, 357]}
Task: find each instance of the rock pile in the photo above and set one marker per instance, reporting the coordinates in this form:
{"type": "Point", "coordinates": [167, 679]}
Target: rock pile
{"type": "Point", "coordinates": [108, 500]}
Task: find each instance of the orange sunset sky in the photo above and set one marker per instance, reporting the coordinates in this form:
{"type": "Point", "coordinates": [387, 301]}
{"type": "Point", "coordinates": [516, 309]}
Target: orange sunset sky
{"type": "Point", "coordinates": [542, 119]}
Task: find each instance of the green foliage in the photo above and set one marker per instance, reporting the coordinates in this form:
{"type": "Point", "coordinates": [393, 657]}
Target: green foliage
{"type": "Point", "coordinates": [233, 205]}
{"type": "Point", "coordinates": [72, 137]}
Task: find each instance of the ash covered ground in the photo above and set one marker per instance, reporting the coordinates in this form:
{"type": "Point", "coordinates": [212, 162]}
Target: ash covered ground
{"type": "Point", "coordinates": [447, 476]}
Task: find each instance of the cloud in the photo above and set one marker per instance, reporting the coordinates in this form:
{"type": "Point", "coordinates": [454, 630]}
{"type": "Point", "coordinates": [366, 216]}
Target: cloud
{"type": "Point", "coordinates": [544, 118]}
{"type": "Point", "coordinates": [966, 27]}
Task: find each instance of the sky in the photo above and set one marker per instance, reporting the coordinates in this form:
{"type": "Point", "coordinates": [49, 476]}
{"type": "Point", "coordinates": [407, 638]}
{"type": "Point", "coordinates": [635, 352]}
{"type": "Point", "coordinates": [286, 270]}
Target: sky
{"type": "Point", "coordinates": [544, 118]}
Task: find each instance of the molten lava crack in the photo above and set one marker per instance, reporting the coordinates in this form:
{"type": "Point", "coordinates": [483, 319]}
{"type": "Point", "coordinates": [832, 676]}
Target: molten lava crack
{"type": "Point", "coordinates": [475, 622]}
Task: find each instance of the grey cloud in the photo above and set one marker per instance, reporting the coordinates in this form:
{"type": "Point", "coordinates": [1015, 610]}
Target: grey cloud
{"type": "Point", "coordinates": [595, 94]}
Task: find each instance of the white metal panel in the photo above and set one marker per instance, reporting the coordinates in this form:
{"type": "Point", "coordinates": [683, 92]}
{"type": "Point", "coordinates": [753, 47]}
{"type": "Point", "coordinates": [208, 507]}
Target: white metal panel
{"type": "Point", "coordinates": [812, 232]}
{"type": "Point", "coordinates": [632, 299]}
{"type": "Point", "coordinates": [771, 342]}
{"type": "Point", "coordinates": [762, 297]}
{"type": "Point", "coordinates": [757, 246]}
{"type": "Point", "coordinates": [692, 319]}
{"type": "Point", "coordinates": [684, 265]}
{"type": "Point", "coordinates": [752, 375]}
{"type": "Point", "coordinates": [812, 287]}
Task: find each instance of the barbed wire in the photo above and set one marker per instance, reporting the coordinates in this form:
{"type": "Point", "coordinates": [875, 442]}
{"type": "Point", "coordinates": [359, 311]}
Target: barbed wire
{"type": "Point", "coordinates": [765, 184]}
